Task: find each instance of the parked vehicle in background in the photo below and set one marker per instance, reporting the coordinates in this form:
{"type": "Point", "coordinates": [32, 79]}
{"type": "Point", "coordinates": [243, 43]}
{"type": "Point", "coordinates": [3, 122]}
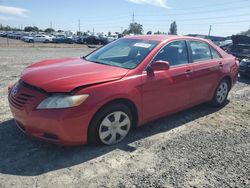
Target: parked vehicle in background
{"type": "Point", "coordinates": [3, 34]}
{"type": "Point", "coordinates": [62, 39]}
{"type": "Point", "coordinates": [15, 35]}
{"type": "Point", "coordinates": [129, 82]}
{"type": "Point", "coordinates": [240, 47]}
{"type": "Point", "coordinates": [94, 40]}
{"type": "Point", "coordinates": [38, 38]}
{"type": "Point", "coordinates": [244, 69]}
{"type": "Point", "coordinates": [81, 39]}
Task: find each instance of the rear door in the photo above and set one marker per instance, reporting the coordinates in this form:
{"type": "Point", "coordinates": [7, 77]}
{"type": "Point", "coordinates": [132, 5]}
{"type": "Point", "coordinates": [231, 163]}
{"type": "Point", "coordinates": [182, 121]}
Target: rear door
{"type": "Point", "coordinates": [170, 90]}
{"type": "Point", "coordinates": [206, 69]}
{"type": "Point", "coordinates": [38, 38]}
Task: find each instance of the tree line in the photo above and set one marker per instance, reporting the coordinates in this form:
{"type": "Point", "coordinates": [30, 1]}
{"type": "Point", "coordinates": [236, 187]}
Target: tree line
{"type": "Point", "coordinates": [137, 29]}
{"type": "Point", "coordinates": [134, 28]}
{"type": "Point", "coordinates": [27, 29]}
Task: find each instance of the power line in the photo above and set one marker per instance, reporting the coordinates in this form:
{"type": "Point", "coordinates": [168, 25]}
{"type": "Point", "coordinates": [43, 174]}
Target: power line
{"type": "Point", "coordinates": [170, 20]}
{"type": "Point", "coordinates": [197, 12]}
{"type": "Point", "coordinates": [213, 5]}
{"type": "Point", "coordinates": [208, 18]}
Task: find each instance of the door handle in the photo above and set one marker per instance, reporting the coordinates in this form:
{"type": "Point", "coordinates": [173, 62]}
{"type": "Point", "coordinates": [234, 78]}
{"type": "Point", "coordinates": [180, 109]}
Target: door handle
{"type": "Point", "coordinates": [220, 65]}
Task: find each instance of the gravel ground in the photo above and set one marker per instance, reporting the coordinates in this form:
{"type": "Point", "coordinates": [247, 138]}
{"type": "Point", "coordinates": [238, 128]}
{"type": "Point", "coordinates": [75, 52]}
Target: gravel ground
{"type": "Point", "coordinates": [198, 147]}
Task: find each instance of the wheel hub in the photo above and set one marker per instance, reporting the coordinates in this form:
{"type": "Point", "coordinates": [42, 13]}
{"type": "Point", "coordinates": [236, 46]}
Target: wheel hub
{"type": "Point", "coordinates": [114, 127]}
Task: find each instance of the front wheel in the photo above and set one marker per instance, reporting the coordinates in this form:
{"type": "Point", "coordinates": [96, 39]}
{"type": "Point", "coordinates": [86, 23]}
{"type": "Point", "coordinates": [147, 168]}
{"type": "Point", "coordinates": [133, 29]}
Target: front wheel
{"type": "Point", "coordinates": [110, 125]}
{"type": "Point", "coordinates": [221, 93]}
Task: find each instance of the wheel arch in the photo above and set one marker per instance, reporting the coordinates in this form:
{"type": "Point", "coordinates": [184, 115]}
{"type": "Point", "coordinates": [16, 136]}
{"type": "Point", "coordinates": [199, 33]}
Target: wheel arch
{"type": "Point", "coordinates": [129, 103]}
{"type": "Point", "coordinates": [229, 80]}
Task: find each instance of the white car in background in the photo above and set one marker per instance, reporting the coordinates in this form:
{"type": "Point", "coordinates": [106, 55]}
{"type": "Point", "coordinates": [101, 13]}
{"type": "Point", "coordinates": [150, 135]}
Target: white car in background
{"type": "Point", "coordinates": [39, 38]}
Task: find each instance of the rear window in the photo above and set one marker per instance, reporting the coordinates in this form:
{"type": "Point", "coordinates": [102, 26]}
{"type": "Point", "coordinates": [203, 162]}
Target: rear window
{"type": "Point", "coordinates": [200, 51]}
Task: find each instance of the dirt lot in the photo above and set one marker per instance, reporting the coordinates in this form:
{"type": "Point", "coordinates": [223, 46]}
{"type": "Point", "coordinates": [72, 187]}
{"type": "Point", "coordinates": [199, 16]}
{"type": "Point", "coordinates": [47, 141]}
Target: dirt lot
{"type": "Point", "coordinates": [199, 147]}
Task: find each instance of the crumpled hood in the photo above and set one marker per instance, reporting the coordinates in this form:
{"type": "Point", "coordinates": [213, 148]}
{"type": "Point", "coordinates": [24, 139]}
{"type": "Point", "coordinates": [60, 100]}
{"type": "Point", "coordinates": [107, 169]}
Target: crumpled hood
{"type": "Point", "coordinates": [64, 75]}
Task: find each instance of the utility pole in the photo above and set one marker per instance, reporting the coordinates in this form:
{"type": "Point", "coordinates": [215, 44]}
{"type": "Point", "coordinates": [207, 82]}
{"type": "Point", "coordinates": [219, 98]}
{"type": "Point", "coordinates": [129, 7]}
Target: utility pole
{"type": "Point", "coordinates": [210, 29]}
{"type": "Point", "coordinates": [79, 25]}
{"type": "Point", "coordinates": [93, 31]}
{"type": "Point", "coordinates": [50, 24]}
{"type": "Point", "coordinates": [121, 30]}
{"type": "Point", "coordinates": [133, 17]}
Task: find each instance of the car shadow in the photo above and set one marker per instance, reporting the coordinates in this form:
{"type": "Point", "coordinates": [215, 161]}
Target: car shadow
{"type": "Point", "coordinates": [245, 80]}
{"type": "Point", "coordinates": [25, 156]}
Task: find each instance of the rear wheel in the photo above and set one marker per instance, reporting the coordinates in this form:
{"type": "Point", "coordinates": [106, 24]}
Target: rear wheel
{"type": "Point", "coordinates": [221, 93]}
{"type": "Point", "coordinates": [110, 125]}
{"type": "Point", "coordinates": [31, 41]}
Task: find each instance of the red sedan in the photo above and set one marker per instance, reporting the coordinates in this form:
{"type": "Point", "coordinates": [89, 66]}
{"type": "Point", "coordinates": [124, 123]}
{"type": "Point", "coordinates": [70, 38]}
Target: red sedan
{"type": "Point", "coordinates": [134, 80]}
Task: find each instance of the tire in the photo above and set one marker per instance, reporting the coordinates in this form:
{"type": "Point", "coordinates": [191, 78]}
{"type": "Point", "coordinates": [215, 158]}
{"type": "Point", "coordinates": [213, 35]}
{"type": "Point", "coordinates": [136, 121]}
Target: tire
{"type": "Point", "coordinates": [110, 125]}
{"type": "Point", "coordinates": [31, 41]}
{"type": "Point", "coordinates": [46, 41]}
{"type": "Point", "coordinates": [220, 94]}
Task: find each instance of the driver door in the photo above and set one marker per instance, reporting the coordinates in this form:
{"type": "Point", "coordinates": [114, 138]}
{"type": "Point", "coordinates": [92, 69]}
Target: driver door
{"type": "Point", "coordinates": [167, 91]}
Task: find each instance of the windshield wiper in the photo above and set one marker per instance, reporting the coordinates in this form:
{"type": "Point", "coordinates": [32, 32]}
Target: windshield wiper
{"type": "Point", "coordinates": [95, 61]}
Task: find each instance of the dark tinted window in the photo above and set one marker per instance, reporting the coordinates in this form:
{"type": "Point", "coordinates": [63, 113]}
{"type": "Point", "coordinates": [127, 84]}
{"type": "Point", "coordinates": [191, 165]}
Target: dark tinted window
{"type": "Point", "coordinates": [215, 54]}
{"type": "Point", "coordinates": [200, 51]}
{"type": "Point", "coordinates": [175, 53]}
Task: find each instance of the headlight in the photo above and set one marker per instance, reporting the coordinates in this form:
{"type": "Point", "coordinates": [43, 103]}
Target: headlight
{"type": "Point", "coordinates": [62, 101]}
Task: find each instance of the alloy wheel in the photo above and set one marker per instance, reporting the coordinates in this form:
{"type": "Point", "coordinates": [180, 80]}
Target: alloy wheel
{"type": "Point", "coordinates": [222, 92]}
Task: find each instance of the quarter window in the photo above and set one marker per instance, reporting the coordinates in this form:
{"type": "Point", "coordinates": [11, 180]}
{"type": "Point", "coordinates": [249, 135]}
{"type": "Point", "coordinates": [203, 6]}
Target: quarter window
{"type": "Point", "coordinates": [175, 53]}
{"type": "Point", "coordinates": [215, 54]}
{"type": "Point", "coordinates": [200, 51]}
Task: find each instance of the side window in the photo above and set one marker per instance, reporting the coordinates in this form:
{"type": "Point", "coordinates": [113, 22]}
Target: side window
{"type": "Point", "coordinates": [215, 54]}
{"type": "Point", "coordinates": [200, 51]}
{"type": "Point", "coordinates": [175, 53]}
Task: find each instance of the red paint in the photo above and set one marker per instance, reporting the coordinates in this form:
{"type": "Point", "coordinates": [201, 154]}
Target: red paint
{"type": "Point", "coordinates": [155, 94]}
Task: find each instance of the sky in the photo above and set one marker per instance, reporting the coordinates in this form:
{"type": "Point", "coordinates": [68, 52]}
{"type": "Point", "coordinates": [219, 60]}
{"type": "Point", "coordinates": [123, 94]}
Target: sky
{"type": "Point", "coordinates": [226, 17]}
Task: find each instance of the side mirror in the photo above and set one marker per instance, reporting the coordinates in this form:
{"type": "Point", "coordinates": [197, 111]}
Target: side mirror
{"type": "Point", "coordinates": [158, 65]}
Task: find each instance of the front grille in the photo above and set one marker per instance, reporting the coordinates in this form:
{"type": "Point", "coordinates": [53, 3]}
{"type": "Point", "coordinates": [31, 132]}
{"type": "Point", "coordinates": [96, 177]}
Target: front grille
{"type": "Point", "coordinates": [19, 100]}
{"type": "Point", "coordinates": [22, 94]}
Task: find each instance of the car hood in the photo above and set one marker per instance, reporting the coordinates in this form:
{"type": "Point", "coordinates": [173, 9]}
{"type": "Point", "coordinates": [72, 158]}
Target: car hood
{"type": "Point", "coordinates": [64, 75]}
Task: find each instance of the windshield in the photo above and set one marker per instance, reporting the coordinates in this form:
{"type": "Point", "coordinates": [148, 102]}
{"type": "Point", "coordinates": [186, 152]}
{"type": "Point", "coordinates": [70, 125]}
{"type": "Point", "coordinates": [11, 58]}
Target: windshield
{"type": "Point", "coordinates": [125, 53]}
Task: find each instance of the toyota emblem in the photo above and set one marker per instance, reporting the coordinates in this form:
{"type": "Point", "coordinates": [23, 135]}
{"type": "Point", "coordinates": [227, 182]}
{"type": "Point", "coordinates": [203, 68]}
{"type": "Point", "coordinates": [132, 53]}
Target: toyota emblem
{"type": "Point", "coordinates": [14, 90]}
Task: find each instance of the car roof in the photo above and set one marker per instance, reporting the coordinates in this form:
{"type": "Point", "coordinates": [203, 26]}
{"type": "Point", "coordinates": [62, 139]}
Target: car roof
{"type": "Point", "coordinates": [161, 37]}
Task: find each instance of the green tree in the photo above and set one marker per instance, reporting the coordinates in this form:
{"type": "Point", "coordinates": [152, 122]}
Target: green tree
{"type": "Point", "coordinates": [31, 29]}
{"type": "Point", "coordinates": [173, 28]}
{"type": "Point", "coordinates": [245, 32]}
{"type": "Point", "coordinates": [125, 32]}
{"type": "Point", "coordinates": [36, 29]}
{"type": "Point", "coordinates": [135, 28]}
{"type": "Point", "coordinates": [49, 30]}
